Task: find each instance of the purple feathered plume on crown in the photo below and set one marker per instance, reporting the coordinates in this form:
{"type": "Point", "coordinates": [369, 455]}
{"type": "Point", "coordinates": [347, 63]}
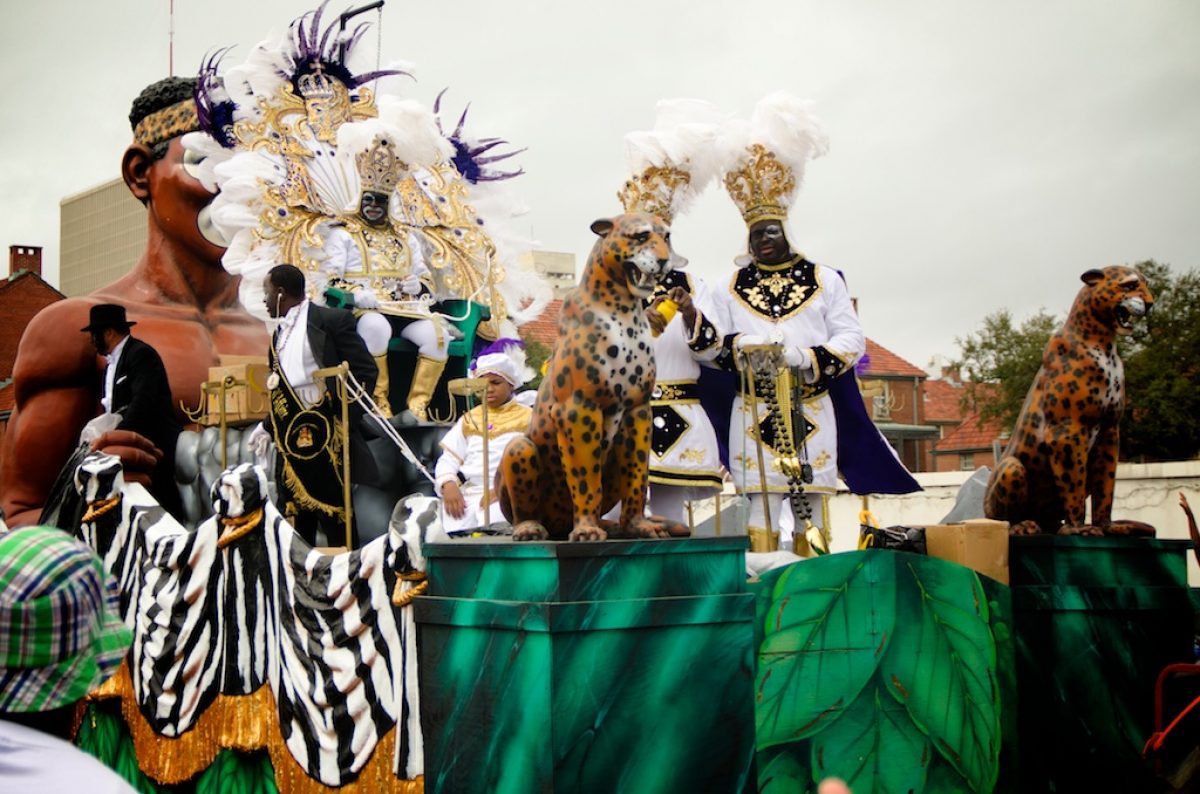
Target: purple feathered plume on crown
{"type": "Point", "coordinates": [863, 366]}
{"type": "Point", "coordinates": [214, 108]}
{"type": "Point", "coordinates": [471, 157]}
{"type": "Point", "coordinates": [312, 47]}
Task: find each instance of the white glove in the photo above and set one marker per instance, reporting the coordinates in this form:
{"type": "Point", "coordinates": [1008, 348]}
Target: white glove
{"type": "Point", "coordinates": [260, 444]}
{"type": "Point", "coordinates": [747, 340]}
{"type": "Point", "coordinates": [365, 299]}
{"type": "Point", "coordinates": [797, 357]}
{"type": "Point", "coordinates": [410, 284]}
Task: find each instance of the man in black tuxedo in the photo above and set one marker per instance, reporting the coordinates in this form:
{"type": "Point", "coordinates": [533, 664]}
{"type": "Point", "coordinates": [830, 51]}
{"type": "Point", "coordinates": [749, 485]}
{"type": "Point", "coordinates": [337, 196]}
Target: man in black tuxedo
{"type": "Point", "coordinates": [305, 420]}
{"type": "Point", "coordinates": [135, 386]}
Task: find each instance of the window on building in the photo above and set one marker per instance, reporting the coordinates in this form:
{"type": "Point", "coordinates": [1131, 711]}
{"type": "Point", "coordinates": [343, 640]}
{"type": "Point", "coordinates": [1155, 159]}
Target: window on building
{"type": "Point", "coordinates": [883, 402]}
{"type": "Point", "coordinates": [966, 461]}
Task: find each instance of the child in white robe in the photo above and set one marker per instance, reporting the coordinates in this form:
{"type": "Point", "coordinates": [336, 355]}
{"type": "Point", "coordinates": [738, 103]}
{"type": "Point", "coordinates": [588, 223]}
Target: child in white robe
{"type": "Point", "coordinates": [460, 471]}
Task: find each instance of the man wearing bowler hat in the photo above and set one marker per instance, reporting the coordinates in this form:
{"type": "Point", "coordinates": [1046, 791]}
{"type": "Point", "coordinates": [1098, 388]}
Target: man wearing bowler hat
{"type": "Point", "coordinates": [135, 386]}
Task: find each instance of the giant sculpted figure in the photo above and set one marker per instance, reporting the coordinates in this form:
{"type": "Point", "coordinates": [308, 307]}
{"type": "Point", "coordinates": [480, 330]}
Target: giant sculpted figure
{"type": "Point", "coordinates": [186, 306]}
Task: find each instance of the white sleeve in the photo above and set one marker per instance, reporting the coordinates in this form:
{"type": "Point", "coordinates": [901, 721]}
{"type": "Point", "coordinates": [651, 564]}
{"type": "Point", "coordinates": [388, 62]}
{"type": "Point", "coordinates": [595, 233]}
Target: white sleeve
{"type": "Point", "coordinates": [454, 452]}
{"type": "Point", "coordinates": [341, 253]}
{"type": "Point", "coordinates": [417, 255]}
{"type": "Point", "coordinates": [846, 340]}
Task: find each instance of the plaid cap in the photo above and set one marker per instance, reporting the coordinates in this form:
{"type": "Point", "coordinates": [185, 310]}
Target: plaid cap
{"type": "Point", "coordinates": [61, 634]}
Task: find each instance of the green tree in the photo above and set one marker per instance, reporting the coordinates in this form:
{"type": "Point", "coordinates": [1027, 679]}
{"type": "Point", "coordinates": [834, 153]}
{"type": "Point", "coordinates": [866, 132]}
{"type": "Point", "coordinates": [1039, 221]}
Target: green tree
{"type": "Point", "coordinates": [999, 363]}
{"type": "Point", "coordinates": [1162, 371]}
{"type": "Point", "coordinates": [536, 355]}
{"type": "Point", "coordinates": [1162, 368]}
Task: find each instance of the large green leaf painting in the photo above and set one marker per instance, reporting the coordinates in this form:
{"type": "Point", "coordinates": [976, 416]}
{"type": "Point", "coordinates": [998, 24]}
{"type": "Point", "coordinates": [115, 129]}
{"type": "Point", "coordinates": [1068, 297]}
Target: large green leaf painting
{"type": "Point", "coordinates": [826, 628]}
{"type": "Point", "coordinates": [781, 772]}
{"type": "Point", "coordinates": [874, 746]}
{"type": "Point", "coordinates": [104, 735]}
{"type": "Point", "coordinates": [238, 773]}
{"type": "Point", "coordinates": [942, 667]}
{"type": "Point", "coordinates": [878, 667]}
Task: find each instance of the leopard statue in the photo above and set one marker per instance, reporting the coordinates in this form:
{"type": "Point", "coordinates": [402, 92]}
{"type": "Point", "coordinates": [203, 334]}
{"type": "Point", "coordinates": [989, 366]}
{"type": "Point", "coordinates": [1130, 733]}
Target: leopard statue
{"type": "Point", "coordinates": [1064, 446]}
{"type": "Point", "coordinates": [589, 438]}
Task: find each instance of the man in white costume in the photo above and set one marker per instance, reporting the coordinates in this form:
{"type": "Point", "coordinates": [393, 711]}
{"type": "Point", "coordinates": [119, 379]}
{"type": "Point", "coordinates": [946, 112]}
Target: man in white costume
{"type": "Point", "coordinates": [778, 297]}
{"type": "Point", "coordinates": [670, 165]}
{"type": "Point", "coordinates": [394, 280]}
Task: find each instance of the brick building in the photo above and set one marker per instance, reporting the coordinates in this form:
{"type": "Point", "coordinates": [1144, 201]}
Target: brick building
{"type": "Point", "coordinates": [22, 295]}
{"type": "Point", "coordinates": [894, 393]}
{"type": "Point", "coordinates": [972, 444]}
{"type": "Point", "coordinates": [943, 410]}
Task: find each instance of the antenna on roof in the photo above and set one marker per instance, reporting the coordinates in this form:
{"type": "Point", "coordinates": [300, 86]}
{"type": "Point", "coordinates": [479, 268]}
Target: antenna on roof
{"type": "Point", "coordinates": [171, 42]}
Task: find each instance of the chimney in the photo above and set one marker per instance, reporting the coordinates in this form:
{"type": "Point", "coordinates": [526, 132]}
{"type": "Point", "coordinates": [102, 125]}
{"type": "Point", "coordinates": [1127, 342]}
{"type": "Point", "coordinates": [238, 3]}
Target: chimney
{"type": "Point", "coordinates": [24, 258]}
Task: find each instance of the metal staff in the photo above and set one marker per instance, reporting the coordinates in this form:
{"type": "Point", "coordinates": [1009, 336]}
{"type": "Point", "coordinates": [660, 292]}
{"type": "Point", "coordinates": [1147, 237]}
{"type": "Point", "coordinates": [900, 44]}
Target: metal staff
{"type": "Point", "coordinates": [758, 444]}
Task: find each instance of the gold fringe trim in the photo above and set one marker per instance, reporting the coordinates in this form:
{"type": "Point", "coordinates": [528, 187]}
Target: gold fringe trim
{"type": "Point", "coordinates": [403, 599]}
{"type": "Point", "coordinates": [100, 507]}
{"type": "Point", "coordinates": [238, 527]}
{"type": "Point", "coordinates": [302, 497]}
{"type": "Point", "coordinates": [245, 723]}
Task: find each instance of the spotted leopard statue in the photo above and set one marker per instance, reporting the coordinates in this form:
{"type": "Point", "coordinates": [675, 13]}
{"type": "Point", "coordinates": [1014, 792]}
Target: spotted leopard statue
{"type": "Point", "coordinates": [589, 439]}
{"type": "Point", "coordinates": [1064, 446]}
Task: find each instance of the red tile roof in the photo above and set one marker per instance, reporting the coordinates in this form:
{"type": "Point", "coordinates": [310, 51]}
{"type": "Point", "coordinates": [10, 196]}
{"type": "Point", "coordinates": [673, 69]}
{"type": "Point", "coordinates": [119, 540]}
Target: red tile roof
{"type": "Point", "coordinates": [884, 362]}
{"type": "Point", "coordinates": [943, 401]}
{"type": "Point", "coordinates": [972, 434]}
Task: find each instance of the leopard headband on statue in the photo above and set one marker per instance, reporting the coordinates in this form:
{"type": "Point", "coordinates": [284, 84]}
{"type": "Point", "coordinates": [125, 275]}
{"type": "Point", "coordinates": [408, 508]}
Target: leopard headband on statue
{"type": "Point", "coordinates": [165, 124]}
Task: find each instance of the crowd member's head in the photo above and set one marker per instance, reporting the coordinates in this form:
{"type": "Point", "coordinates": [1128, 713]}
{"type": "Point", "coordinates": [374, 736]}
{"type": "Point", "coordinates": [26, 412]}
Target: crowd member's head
{"type": "Point", "coordinates": [61, 635]}
{"type": "Point", "coordinates": [283, 288]}
{"type": "Point", "coordinates": [833, 785]}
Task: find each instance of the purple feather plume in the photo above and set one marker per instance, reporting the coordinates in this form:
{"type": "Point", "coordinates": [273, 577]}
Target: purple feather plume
{"type": "Point", "coordinates": [312, 47]}
{"type": "Point", "coordinates": [469, 155]}
{"type": "Point", "coordinates": [214, 108]}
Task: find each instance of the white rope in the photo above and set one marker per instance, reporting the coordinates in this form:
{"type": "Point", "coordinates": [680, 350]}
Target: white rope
{"type": "Point", "coordinates": [358, 394]}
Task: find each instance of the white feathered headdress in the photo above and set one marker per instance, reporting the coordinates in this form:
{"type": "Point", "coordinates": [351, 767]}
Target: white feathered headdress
{"type": "Point", "coordinates": [767, 156]}
{"type": "Point", "coordinates": [671, 164]}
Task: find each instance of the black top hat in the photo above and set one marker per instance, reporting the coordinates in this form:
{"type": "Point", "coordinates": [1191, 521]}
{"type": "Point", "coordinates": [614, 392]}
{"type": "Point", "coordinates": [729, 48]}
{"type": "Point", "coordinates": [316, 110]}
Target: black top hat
{"type": "Point", "coordinates": [107, 315]}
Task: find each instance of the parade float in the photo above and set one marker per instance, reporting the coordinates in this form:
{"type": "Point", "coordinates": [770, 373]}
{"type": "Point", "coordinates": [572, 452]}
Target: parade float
{"type": "Point", "coordinates": [413, 661]}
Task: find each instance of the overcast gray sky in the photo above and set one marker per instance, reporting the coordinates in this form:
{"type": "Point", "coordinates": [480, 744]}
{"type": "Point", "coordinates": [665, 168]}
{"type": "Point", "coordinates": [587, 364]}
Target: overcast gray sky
{"type": "Point", "coordinates": [983, 155]}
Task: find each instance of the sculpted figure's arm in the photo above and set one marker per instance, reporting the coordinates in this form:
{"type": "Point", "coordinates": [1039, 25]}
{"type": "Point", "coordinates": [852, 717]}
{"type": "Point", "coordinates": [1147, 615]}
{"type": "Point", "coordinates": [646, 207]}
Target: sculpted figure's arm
{"type": "Point", "coordinates": [56, 378]}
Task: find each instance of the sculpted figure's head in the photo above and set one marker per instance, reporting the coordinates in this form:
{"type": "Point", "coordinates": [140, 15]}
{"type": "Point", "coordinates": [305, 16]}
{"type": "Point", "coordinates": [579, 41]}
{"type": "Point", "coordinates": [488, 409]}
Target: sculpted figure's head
{"type": "Point", "coordinates": [160, 173]}
{"type": "Point", "coordinates": [769, 243]}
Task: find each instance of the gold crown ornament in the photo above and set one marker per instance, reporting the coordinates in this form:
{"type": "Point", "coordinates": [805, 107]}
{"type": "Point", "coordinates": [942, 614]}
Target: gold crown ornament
{"type": "Point", "coordinates": [768, 154]}
{"type": "Point", "coordinates": [379, 168]}
{"type": "Point", "coordinates": [761, 187]}
{"type": "Point", "coordinates": [326, 102]}
{"type": "Point", "coordinates": [668, 165]}
{"type": "Point", "coordinates": [654, 191]}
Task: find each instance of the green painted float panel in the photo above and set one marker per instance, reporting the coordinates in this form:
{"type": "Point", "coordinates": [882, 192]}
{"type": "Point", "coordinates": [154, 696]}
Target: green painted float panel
{"type": "Point", "coordinates": [588, 667]}
{"type": "Point", "coordinates": [1096, 620]}
{"type": "Point", "coordinates": [562, 572]}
